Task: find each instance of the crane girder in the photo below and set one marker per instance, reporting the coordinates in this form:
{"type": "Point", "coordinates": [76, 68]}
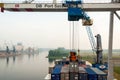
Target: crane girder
{"type": "Point", "coordinates": [58, 7]}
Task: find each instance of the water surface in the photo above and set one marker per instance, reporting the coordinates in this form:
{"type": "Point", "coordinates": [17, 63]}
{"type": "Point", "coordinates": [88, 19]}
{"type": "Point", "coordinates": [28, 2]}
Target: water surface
{"type": "Point", "coordinates": [24, 67]}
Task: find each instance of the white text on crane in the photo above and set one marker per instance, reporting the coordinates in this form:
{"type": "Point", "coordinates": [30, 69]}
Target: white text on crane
{"type": "Point", "coordinates": [48, 5]}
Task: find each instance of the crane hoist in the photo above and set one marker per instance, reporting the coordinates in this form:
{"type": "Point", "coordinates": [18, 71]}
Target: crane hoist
{"type": "Point", "coordinates": [75, 14]}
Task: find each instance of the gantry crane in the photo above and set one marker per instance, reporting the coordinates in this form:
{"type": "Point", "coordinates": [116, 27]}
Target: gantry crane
{"type": "Point", "coordinates": [58, 7]}
{"type": "Point", "coordinates": [63, 7]}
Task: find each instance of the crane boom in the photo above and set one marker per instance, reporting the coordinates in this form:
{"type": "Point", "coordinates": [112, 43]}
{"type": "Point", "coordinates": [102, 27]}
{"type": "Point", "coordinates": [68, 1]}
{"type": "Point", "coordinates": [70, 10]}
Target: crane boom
{"type": "Point", "coordinates": [91, 38]}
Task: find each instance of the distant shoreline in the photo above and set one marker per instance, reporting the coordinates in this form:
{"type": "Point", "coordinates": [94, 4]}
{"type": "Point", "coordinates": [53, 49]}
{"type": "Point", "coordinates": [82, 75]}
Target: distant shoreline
{"type": "Point", "coordinates": [5, 54]}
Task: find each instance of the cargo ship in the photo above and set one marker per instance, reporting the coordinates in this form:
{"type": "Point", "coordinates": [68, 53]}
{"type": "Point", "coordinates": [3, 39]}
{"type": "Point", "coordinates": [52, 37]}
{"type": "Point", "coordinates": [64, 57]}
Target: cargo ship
{"type": "Point", "coordinates": [74, 68]}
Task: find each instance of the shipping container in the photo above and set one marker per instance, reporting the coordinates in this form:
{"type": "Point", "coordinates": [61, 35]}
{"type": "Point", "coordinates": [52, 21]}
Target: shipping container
{"type": "Point", "coordinates": [82, 74]}
{"type": "Point", "coordinates": [74, 67]}
{"type": "Point", "coordinates": [51, 67]}
{"type": "Point", "coordinates": [73, 76]}
{"type": "Point", "coordinates": [65, 73]}
{"type": "Point", "coordinates": [91, 74]}
{"type": "Point", "coordinates": [82, 65]}
{"type": "Point", "coordinates": [105, 71]}
{"type": "Point", "coordinates": [73, 71]}
{"type": "Point", "coordinates": [82, 69]}
{"type": "Point", "coordinates": [82, 62]}
{"type": "Point", "coordinates": [58, 62]}
{"type": "Point", "coordinates": [65, 62]}
{"type": "Point", "coordinates": [71, 67]}
{"type": "Point", "coordinates": [55, 75]}
{"type": "Point", "coordinates": [100, 74]}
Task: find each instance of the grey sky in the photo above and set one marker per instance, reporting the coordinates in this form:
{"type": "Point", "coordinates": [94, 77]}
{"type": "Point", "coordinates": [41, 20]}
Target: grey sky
{"type": "Point", "coordinates": [52, 29]}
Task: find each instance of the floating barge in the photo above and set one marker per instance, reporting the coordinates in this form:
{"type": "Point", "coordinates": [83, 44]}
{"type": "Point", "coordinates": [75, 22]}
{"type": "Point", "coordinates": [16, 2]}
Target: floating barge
{"type": "Point", "coordinates": [65, 70]}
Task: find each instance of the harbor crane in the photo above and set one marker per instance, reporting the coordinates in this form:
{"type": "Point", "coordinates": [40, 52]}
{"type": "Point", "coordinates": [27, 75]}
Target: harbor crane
{"type": "Point", "coordinates": [96, 47]}
{"type": "Point", "coordinates": [76, 10]}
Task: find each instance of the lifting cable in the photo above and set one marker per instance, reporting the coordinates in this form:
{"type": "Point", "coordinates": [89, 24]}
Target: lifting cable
{"type": "Point", "coordinates": [73, 35]}
{"type": "Point", "coordinates": [78, 38]}
{"type": "Point", "coordinates": [70, 28]}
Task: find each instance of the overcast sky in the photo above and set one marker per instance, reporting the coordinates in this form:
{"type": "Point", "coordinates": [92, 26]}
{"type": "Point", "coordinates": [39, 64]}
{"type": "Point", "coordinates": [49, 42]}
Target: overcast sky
{"type": "Point", "coordinates": [51, 29]}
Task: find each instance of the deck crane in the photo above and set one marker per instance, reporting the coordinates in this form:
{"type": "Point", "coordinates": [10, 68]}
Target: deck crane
{"type": "Point", "coordinates": [97, 48]}
{"type": "Point", "coordinates": [111, 7]}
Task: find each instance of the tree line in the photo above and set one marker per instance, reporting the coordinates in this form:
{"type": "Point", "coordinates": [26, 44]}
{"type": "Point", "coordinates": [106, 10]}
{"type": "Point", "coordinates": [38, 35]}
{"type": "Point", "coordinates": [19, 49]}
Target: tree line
{"type": "Point", "coordinates": [60, 52]}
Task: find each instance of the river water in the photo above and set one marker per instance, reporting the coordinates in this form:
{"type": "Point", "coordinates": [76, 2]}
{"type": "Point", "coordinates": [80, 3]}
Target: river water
{"type": "Point", "coordinates": [24, 67]}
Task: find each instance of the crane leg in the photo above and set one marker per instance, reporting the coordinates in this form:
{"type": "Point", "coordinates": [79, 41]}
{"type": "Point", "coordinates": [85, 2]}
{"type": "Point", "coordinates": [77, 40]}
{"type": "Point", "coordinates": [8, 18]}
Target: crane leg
{"type": "Point", "coordinates": [110, 62]}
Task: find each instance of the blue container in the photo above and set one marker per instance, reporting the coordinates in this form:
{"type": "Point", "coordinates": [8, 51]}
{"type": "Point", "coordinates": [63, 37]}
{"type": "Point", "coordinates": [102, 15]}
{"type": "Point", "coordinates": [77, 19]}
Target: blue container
{"type": "Point", "coordinates": [55, 75]}
{"type": "Point", "coordinates": [83, 76]}
{"type": "Point", "coordinates": [100, 74]}
{"type": "Point", "coordinates": [91, 74]}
